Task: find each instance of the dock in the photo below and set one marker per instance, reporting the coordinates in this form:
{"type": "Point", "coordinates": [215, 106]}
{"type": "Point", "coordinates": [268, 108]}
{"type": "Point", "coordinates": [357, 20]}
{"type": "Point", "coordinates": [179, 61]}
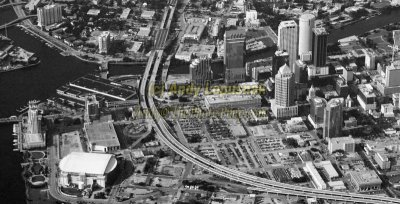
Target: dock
{"type": "Point", "coordinates": [12, 119]}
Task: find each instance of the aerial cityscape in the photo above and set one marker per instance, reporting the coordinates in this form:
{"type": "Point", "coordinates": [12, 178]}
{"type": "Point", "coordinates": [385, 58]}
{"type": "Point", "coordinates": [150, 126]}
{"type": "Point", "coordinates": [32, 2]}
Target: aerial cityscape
{"type": "Point", "coordinates": [200, 101]}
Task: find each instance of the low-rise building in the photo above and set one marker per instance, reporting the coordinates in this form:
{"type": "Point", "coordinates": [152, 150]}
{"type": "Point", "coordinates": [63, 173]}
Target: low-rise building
{"type": "Point", "coordinates": [365, 181]}
{"type": "Point", "coordinates": [341, 143]}
{"type": "Point", "coordinates": [232, 101]}
{"type": "Point", "coordinates": [316, 177]}
{"type": "Point", "coordinates": [387, 110]}
{"type": "Point", "coordinates": [187, 51]}
{"type": "Point", "coordinates": [101, 137]}
{"type": "Point", "coordinates": [366, 97]}
{"type": "Point", "coordinates": [148, 15]}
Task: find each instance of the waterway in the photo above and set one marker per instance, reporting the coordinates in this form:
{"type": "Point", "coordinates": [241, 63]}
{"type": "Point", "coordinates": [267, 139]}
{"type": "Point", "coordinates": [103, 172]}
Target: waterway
{"type": "Point", "coordinates": [40, 82]}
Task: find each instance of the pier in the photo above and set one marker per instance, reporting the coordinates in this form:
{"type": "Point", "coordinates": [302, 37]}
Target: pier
{"type": "Point", "coordinates": [12, 119]}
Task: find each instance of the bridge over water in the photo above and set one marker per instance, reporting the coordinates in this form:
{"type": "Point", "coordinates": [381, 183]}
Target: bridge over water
{"type": "Point", "coordinates": [13, 22]}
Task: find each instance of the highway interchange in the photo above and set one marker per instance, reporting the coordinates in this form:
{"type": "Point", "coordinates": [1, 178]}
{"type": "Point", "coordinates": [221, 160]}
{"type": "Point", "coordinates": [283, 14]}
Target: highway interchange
{"type": "Point", "coordinates": [256, 183]}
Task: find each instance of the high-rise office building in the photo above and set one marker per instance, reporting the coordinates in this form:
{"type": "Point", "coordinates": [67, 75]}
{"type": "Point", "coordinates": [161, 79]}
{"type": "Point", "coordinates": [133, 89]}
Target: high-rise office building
{"type": "Point", "coordinates": [278, 60]}
{"type": "Point", "coordinates": [33, 126]}
{"type": "Point", "coordinates": [234, 56]}
{"type": "Point", "coordinates": [200, 71]}
{"type": "Point", "coordinates": [319, 45]}
{"type": "Point", "coordinates": [317, 111]}
{"type": "Point", "coordinates": [92, 108]}
{"type": "Point", "coordinates": [333, 118]}
{"type": "Point", "coordinates": [104, 40]}
{"type": "Point", "coordinates": [284, 87]}
{"type": "Point", "coordinates": [49, 14]}
{"type": "Point", "coordinates": [283, 106]}
{"type": "Point", "coordinates": [288, 40]}
{"type": "Point", "coordinates": [306, 24]}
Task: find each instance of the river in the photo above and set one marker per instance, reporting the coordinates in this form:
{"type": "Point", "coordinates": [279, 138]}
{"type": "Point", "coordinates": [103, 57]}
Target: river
{"type": "Point", "coordinates": [40, 82]}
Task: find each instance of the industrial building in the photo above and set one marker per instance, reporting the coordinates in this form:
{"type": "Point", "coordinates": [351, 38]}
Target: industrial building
{"type": "Point", "coordinates": [86, 169]}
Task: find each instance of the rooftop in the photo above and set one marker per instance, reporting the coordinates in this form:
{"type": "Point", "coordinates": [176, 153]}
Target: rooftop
{"type": "Point", "coordinates": [367, 90]}
{"type": "Point", "coordinates": [102, 134]}
{"type": "Point", "coordinates": [88, 163]}
{"type": "Point", "coordinates": [290, 23]}
{"type": "Point", "coordinates": [235, 34]}
{"type": "Point", "coordinates": [105, 87]}
{"type": "Point", "coordinates": [365, 177]}
{"type": "Point", "coordinates": [320, 31]}
{"type": "Point", "coordinates": [230, 98]}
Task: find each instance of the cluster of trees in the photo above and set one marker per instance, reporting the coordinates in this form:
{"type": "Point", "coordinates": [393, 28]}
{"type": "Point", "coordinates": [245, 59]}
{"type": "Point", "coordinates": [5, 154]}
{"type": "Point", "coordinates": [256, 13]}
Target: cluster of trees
{"type": "Point", "coordinates": [150, 165]}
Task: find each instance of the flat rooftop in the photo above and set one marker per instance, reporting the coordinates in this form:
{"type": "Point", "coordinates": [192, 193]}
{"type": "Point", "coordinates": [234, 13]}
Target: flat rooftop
{"type": "Point", "coordinates": [365, 177]}
{"type": "Point", "coordinates": [103, 134]}
{"type": "Point", "coordinates": [290, 23]}
{"type": "Point", "coordinates": [367, 90]}
{"type": "Point", "coordinates": [230, 98]}
{"type": "Point", "coordinates": [105, 87]}
{"type": "Point", "coordinates": [235, 34]}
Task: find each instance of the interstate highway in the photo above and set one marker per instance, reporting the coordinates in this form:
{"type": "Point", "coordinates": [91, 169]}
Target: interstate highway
{"type": "Point", "coordinates": [255, 183]}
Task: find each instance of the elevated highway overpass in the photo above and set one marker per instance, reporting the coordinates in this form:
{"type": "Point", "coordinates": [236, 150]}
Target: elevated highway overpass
{"type": "Point", "coordinates": [255, 183]}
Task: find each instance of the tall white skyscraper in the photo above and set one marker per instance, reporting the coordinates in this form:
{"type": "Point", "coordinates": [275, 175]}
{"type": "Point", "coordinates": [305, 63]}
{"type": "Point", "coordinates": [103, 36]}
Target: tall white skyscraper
{"type": "Point", "coordinates": [49, 14]}
{"type": "Point", "coordinates": [306, 24]}
{"type": "Point", "coordinates": [284, 87]}
{"type": "Point", "coordinates": [284, 104]}
{"type": "Point", "coordinates": [288, 39]}
{"type": "Point", "coordinates": [104, 42]}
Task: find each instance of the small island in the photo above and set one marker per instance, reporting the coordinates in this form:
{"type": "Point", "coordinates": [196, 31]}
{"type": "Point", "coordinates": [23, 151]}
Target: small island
{"type": "Point", "coordinates": [13, 57]}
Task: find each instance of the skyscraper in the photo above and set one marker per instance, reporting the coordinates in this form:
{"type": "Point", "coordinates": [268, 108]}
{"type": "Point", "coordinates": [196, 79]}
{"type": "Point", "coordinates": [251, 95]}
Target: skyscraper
{"type": "Point", "coordinates": [306, 24]}
{"type": "Point", "coordinates": [234, 56]}
{"type": "Point", "coordinates": [333, 118]}
{"type": "Point", "coordinates": [278, 60]}
{"type": "Point", "coordinates": [200, 71]}
{"type": "Point", "coordinates": [319, 41]}
{"type": "Point", "coordinates": [49, 14]}
{"type": "Point", "coordinates": [284, 87]}
{"type": "Point", "coordinates": [288, 40]}
{"type": "Point", "coordinates": [104, 40]}
{"type": "Point", "coordinates": [285, 94]}
{"type": "Point", "coordinates": [317, 111]}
